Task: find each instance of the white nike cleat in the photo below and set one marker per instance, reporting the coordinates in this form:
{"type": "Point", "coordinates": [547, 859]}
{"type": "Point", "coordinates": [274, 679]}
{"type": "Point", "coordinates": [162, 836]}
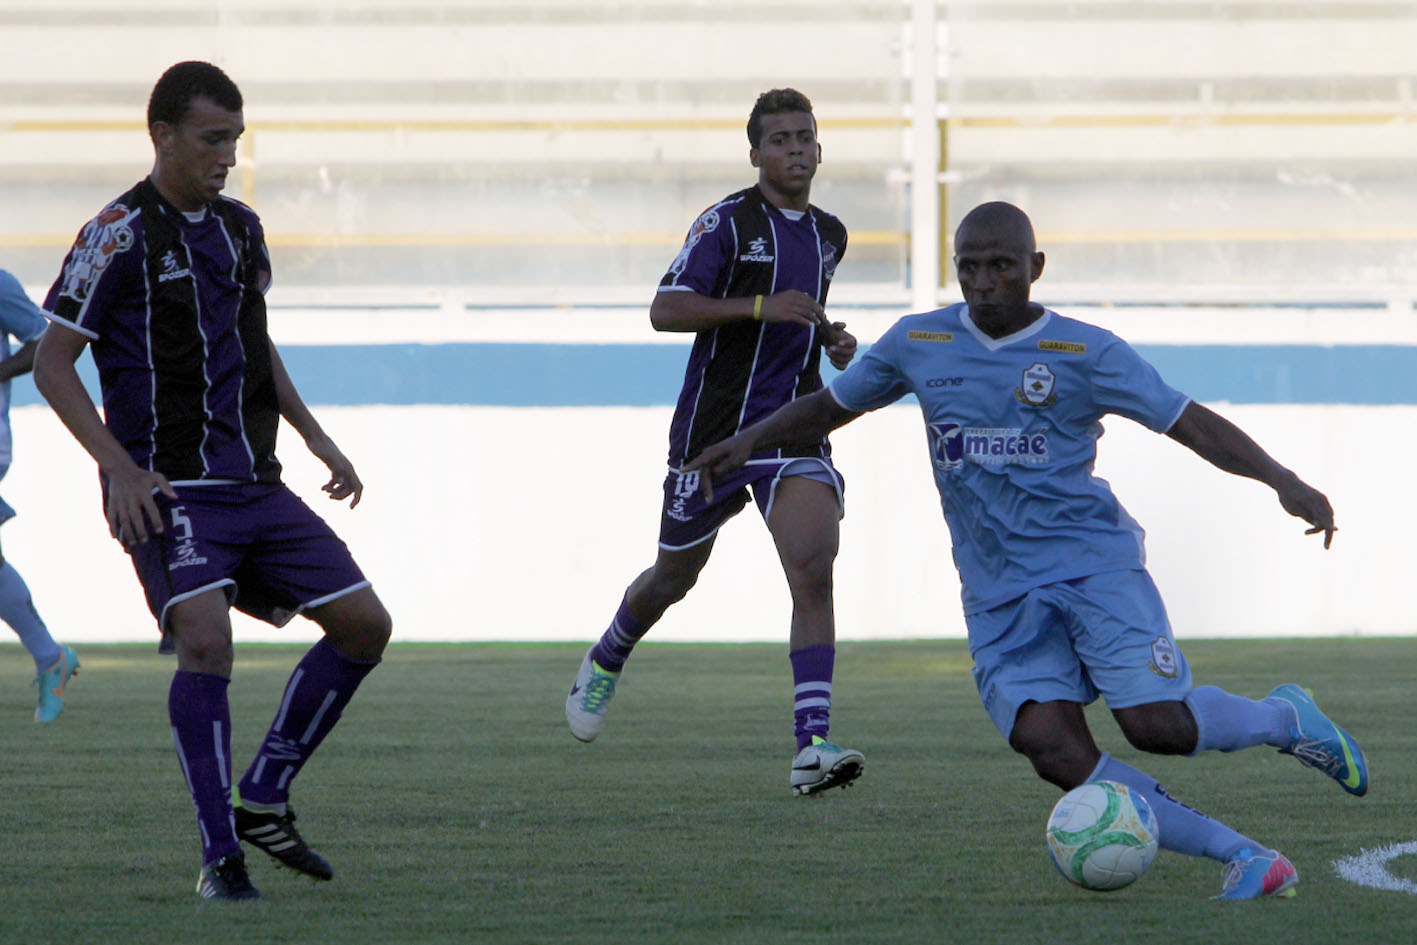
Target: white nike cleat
{"type": "Point", "coordinates": [822, 765]}
{"type": "Point", "coordinates": [589, 699]}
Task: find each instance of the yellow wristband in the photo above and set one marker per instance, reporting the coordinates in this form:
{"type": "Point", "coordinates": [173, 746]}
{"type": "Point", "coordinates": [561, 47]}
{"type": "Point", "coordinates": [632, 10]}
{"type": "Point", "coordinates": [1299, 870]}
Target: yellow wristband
{"type": "Point", "coordinates": [758, 308]}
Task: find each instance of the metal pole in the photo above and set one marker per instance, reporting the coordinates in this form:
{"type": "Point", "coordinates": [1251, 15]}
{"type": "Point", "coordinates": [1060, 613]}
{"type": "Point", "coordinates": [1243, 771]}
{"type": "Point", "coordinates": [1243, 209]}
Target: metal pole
{"type": "Point", "coordinates": [925, 159]}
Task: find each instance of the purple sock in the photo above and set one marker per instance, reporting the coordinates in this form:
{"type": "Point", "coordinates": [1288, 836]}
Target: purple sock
{"type": "Point", "coordinates": [201, 730]}
{"type": "Point", "coordinates": [618, 640]}
{"type": "Point", "coordinates": [318, 690]}
{"type": "Point", "coordinates": [812, 691]}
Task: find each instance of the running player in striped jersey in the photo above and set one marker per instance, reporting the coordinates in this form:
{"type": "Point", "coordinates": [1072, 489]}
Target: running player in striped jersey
{"type": "Point", "coordinates": [54, 663]}
{"type": "Point", "coordinates": [751, 281]}
{"type": "Point", "coordinates": [1057, 600]}
{"type": "Point", "coordinates": [167, 287]}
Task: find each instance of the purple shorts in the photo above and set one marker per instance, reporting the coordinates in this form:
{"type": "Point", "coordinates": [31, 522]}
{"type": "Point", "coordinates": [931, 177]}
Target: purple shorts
{"type": "Point", "coordinates": [687, 520]}
{"type": "Point", "coordinates": [273, 556]}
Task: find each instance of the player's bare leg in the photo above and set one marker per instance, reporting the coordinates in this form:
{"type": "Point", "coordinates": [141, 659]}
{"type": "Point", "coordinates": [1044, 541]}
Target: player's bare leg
{"type": "Point", "coordinates": [804, 525]}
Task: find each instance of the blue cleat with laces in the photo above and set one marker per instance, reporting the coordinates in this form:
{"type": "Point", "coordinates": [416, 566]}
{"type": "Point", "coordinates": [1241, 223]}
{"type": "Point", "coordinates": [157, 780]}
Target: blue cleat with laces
{"type": "Point", "coordinates": [1319, 743]}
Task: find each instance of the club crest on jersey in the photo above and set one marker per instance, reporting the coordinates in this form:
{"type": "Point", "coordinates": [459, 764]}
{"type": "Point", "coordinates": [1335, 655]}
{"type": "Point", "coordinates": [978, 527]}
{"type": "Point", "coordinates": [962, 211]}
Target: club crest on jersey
{"type": "Point", "coordinates": [1037, 387]}
{"type": "Point", "coordinates": [1163, 658]}
{"type": "Point", "coordinates": [101, 239]}
{"type": "Point", "coordinates": [828, 260]}
{"type": "Point", "coordinates": [757, 251]}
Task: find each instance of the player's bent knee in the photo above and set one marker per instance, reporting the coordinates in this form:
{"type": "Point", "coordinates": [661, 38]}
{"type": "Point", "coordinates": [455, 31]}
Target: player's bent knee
{"type": "Point", "coordinates": [670, 587]}
{"type": "Point", "coordinates": [203, 650]}
{"type": "Point", "coordinates": [358, 625]}
{"type": "Point", "coordinates": [1160, 728]}
{"type": "Point", "coordinates": [810, 577]}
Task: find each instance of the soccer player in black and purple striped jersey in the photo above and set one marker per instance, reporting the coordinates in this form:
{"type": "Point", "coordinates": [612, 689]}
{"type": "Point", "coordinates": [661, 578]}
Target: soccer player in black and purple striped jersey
{"type": "Point", "coordinates": [166, 286]}
{"type": "Point", "coordinates": [751, 281]}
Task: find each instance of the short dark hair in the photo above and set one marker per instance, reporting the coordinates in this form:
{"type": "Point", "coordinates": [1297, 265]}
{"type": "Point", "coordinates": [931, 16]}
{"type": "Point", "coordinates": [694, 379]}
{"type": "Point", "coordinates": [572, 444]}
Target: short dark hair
{"type": "Point", "coordinates": [775, 102]}
{"type": "Point", "coordinates": [173, 94]}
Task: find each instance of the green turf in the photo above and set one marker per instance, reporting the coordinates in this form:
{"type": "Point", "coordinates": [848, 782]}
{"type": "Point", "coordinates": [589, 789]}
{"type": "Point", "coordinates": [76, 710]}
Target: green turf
{"type": "Point", "coordinates": [456, 807]}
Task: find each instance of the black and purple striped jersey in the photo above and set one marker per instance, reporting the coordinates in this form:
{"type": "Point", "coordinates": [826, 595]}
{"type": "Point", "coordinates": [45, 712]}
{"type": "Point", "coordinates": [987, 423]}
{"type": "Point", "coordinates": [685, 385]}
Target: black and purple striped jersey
{"type": "Point", "coordinates": [741, 372]}
{"type": "Point", "coordinates": [171, 303]}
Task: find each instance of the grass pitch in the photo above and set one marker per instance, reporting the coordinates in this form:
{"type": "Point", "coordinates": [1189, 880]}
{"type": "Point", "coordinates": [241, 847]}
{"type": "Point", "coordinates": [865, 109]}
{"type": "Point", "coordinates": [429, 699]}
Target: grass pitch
{"type": "Point", "coordinates": [456, 807]}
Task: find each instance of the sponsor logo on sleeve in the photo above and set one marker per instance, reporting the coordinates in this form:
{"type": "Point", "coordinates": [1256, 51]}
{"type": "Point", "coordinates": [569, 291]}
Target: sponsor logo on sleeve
{"type": "Point", "coordinates": [706, 223]}
{"type": "Point", "coordinates": [102, 238]}
{"type": "Point", "coordinates": [1036, 390]}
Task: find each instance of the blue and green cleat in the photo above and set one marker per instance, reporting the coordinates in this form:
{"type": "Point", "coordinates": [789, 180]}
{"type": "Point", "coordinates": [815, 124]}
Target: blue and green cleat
{"type": "Point", "coordinates": [51, 685]}
{"type": "Point", "coordinates": [1319, 743]}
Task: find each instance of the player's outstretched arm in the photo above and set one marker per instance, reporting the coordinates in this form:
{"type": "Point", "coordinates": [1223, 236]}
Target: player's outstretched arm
{"type": "Point", "coordinates": [804, 420]}
{"type": "Point", "coordinates": [344, 481]}
{"type": "Point", "coordinates": [1227, 447]}
{"type": "Point", "coordinates": [131, 509]}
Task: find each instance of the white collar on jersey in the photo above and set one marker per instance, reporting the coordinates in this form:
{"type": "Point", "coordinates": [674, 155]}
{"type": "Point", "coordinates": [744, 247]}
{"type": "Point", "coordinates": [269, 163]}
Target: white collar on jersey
{"type": "Point", "coordinates": [994, 344]}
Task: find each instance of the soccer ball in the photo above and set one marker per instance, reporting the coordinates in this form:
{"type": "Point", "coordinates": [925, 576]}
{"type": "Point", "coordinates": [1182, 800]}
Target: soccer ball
{"type": "Point", "coordinates": [1102, 835]}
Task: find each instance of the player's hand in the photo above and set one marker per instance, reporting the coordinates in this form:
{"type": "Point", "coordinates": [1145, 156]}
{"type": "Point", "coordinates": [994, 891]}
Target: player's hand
{"type": "Point", "coordinates": [721, 459]}
{"type": "Point", "coordinates": [793, 307]}
{"type": "Point", "coordinates": [840, 344]}
{"type": "Point", "coordinates": [1304, 501]}
{"type": "Point", "coordinates": [131, 507]}
{"type": "Point", "coordinates": [344, 481]}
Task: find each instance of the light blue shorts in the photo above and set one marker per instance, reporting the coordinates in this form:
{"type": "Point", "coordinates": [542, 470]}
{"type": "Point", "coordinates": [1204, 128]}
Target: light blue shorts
{"type": "Point", "coordinates": [1105, 635]}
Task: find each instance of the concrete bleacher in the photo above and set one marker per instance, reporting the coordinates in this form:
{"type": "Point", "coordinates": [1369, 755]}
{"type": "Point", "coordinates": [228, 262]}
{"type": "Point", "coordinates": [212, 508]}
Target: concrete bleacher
{"type": "Point", "coordinates": [472, 143]}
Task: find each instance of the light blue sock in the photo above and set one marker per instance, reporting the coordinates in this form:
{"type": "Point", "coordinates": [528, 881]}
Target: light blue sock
{"type": "Point", "coordinates": [1226, 722]}
{"type": "Point", "coordinates": [18, 611]}
{"type": "Point", "coordinates": [1183, 829]}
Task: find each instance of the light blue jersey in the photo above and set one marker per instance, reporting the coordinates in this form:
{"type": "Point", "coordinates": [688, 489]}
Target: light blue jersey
{"type": "Point", "coordinates": [1012, 425]}
{"type": "Point", "coordinates": [20, 317]}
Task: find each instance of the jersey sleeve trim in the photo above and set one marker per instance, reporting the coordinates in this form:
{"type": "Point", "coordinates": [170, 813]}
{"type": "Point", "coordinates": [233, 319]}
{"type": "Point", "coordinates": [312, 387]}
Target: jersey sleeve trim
{"type": "Point", "coordinates": [1185, 402]}
{"type": "Point", "coordinates": [87, 333]}
{"type": "Point", "coordinates": [845, 405]}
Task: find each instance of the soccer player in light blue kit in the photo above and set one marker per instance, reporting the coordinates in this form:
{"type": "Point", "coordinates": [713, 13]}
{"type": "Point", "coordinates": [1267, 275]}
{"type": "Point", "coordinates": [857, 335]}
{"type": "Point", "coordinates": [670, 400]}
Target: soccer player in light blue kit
{"type": "Point", "coordinates": [1057, 600]}
{"type": "Point", "coordinates": [53, 663]}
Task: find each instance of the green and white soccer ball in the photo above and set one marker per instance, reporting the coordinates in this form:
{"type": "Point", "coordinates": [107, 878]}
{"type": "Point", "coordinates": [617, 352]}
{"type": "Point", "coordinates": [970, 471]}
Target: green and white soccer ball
{"type": "Point", "coordinates": [1102, 835]}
